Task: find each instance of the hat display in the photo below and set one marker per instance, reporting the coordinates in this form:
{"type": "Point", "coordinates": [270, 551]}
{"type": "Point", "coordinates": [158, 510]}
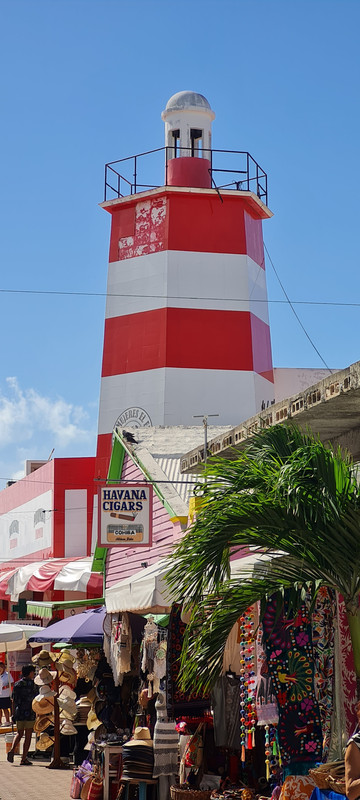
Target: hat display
{"type": "Point", "coordinates": [67, 728]}
{"type": "Point", "coordinates": [140, 736]}
{"type": "Point", "coordinates": [44, 742]}
{"type": "Point", "coordinates": [44, 658]}
{"type": "Point", "coordinates": [43, 705]}
{"type": "Point", "coordinates": [44, 676]}
{"type": "Point", "coordinates": [41, 723]}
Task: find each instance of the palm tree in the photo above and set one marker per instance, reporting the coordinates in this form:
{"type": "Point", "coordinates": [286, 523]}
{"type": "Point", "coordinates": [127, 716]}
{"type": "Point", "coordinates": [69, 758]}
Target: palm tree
{"type": "Point", "coordinates": [286, 494]}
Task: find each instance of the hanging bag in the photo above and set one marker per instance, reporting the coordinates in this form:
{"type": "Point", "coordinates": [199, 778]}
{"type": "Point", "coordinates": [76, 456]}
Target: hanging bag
{"type": "Point", "coordinates": [75, 787]}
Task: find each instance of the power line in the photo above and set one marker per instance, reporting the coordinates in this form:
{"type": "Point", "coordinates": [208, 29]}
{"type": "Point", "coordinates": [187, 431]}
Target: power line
{"type": "Point", "coordinates": [294, 312]}
{"type": "Point", "coordinates": [332, 303]}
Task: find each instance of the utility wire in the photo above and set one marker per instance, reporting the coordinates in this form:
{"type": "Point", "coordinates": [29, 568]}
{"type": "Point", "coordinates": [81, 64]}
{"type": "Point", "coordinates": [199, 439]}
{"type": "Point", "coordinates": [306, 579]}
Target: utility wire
{"type": "Point", "coordinates": [334, 303]}
{"type": "Point", "coordinates": [294, 312]}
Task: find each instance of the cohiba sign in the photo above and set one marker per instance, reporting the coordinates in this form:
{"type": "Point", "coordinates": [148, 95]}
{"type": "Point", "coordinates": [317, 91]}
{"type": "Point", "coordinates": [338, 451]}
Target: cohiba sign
{"type": "Point", "coordinates": [125, 515]}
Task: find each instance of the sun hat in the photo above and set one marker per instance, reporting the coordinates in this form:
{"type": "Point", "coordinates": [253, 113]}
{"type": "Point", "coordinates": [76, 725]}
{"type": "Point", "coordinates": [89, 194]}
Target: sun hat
{"type": "Point", "coordinates": [140, 736]}
{"type": "Point", "coordinates": [42, 705]}
{"type": "Point", "coordinates": [44, 658]}
{"type": "Point", "coordinates": [41, 723]}
{"type": "Point", "coordinates": [45, 691]}
{"type": "Point", "coordinates": [67, 728]}
{"type": "Point", "coordinates": [67, 675]}
{"type": "Point", "coordinates": [83, 701]}
{"type": "Point", "coordinates": [66, 656]}
{"type": "Point", "coordinates": [44, 742]}
{"type": "Point", "coordinates": [66, 691]}
{"type": "Point", "coordinates": [66, 704]}
{"type": "Point", "coordinates": [44, 676]}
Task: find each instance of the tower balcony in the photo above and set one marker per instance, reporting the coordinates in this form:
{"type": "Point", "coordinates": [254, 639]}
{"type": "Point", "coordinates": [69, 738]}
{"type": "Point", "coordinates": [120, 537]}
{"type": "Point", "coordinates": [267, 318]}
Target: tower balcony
{"type": "Point", "coordinates": [203, 168]}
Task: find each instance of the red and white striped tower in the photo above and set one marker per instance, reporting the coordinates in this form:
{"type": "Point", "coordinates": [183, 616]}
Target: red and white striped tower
{"type": "Point", "coordinates": [186, 323]}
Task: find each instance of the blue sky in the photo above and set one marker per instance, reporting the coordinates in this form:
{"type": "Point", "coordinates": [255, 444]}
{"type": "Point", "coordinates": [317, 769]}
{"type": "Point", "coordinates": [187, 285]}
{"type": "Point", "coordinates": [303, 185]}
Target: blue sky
{"type": "Point", "coordinates": [84, 82]}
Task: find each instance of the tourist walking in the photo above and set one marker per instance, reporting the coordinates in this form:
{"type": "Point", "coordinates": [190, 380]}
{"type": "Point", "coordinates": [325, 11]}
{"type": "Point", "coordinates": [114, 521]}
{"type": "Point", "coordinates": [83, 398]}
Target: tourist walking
{"type": "Point", "coordinates": [5, 693]}
{"type": "Point", "coordinates": [23, 694]}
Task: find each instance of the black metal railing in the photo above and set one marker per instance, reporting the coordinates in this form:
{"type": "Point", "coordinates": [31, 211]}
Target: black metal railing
{"type": "Point", "coordinates": [229, 169]}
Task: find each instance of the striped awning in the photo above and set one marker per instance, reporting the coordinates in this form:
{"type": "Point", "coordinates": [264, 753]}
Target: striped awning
{"type": "Point", "coordinates": [63, 574]}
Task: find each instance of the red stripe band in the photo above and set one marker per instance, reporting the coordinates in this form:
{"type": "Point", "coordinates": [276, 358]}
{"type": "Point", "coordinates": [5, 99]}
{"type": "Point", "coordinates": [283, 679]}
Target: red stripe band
{"type": "Point", "coordinates": [186, 338]}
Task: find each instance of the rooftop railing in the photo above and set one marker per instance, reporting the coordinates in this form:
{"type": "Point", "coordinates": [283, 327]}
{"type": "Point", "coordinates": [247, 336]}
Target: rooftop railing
{"type": "Point", "coordinates": [229, 169]}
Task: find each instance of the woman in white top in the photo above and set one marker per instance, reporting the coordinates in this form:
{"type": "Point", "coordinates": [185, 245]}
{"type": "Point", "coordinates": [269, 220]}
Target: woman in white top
{"type": "Point", "coordinates": [5, 693]}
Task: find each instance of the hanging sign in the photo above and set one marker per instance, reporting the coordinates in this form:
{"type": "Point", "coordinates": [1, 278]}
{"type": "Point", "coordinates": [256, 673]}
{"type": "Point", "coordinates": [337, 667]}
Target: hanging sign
{"type": "Point", "coordinates": [125, 515]}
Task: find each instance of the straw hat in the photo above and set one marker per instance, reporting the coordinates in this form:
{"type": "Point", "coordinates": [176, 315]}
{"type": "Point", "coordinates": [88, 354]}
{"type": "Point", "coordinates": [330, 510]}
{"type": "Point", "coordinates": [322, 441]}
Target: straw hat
{"type": "Point", "coordinates": [44, 742]}
{"type": "Point", "coordinates": [42, 705]}
{"type": "Point", "coordinates": [67, 728]}
{"type": "Point", "coordinates": [92, 721]}
{"type": "Point", "coordinates": [68, 675]}
{"type": "Point", "coordinates": [140, 736]}
{"type": "Point", "coordinates": [41, 723]}
{"type": "Point", "coordinates": [44, 658]}
{"type": "Point", "coordinates": [66, 691]}
{"type": "Point", "coordinates": [44, 676]}
{"type": "Point", "coordinates": [67, 706]}
{"type": "Point", "coordinates": [45, 691]}
{"type": "Point", "coordinates": [66, 656]}
{"type": "Point", "coordinates": [83, 701]}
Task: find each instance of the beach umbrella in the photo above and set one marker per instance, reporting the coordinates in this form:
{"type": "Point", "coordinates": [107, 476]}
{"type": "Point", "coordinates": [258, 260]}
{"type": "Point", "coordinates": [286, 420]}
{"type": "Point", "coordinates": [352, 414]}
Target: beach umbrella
{"type": "Point", "coordinates": [84, 628]}
{"type": "Point", "coordinates": [15, 637]}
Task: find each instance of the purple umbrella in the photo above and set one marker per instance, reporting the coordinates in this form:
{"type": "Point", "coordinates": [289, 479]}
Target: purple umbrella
{"type": "Point", "coordinates": [85, 628]}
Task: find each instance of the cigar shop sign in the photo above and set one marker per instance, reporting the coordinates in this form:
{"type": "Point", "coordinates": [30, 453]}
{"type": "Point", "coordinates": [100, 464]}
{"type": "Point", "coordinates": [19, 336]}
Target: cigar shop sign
{"type": "Point", "coordinates": [125, 515]}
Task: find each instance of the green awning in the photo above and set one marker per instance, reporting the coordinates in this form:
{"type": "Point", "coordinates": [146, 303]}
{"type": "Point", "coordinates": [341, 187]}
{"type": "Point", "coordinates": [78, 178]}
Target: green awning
{"type": "Point", "coordinates": [45, 610]}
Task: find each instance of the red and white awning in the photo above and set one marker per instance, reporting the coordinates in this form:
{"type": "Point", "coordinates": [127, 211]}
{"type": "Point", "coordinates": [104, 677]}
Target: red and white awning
{"type": "Point", "coordinates": [64, 574]}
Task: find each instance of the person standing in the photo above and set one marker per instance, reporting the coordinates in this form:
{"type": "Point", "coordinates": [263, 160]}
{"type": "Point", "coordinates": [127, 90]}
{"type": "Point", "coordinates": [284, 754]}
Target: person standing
{"type": "Point", "coordinates": [5, 693]}
{"type": "Point", "coordinates": [23, 694]}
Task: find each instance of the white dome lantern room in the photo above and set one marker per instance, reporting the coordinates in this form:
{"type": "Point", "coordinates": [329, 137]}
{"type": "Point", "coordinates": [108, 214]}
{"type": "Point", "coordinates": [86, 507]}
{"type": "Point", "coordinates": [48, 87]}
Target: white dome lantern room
{"type": "Point", "coordinates": [188, 117]}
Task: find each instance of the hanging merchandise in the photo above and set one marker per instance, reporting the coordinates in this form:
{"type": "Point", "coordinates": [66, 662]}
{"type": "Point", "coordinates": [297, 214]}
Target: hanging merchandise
{"type": "Point", "coordinates": [154, 649]}
{"type": "Point", "coordinates": [289, 655]}
{"type": "Point", "coordinates": [322, 620]}
{"type": "Point", "coordinates": [247, 681]}
{"type": "Point", "coordinates": [180, 702]}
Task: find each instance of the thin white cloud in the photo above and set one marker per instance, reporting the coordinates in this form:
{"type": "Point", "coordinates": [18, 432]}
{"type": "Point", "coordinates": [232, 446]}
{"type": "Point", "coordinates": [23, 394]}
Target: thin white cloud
{"type": "Point", "coordinates": [26, 415]}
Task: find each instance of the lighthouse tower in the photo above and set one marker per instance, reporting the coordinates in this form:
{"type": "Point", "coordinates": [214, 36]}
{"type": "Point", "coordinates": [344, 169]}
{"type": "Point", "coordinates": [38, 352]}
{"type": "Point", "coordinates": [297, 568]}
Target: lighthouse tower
{"type": "Point", "coordinates": [186, 321]}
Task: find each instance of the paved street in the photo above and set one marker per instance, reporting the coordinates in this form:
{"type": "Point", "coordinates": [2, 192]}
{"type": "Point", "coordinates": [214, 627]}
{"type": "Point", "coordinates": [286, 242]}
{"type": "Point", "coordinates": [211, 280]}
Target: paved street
{"type": "Point", "coordinates": [32, 783]}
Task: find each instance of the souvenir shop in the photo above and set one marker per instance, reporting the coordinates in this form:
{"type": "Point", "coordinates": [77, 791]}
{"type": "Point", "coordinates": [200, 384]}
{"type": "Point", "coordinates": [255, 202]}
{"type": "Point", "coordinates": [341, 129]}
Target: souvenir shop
{"type": "Point", "coordinates": [273, 715]}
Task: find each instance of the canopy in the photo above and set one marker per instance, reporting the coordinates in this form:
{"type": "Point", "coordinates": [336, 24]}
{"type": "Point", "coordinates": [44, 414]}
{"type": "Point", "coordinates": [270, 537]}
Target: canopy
{"type": "Point", "coordinates": [15, 637]}
{"type": "Point", "coordinates": [64, 574]}
{"type": "Point", "coordinates": [84, 628]}
{"type": "Point", "coordinates": [144, 592]}
{"type": "Point", "coordinates": [147, 591]}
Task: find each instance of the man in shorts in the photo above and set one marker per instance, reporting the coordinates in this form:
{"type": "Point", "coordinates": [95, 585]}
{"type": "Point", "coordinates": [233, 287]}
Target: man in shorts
{"type": "Point", "coordinates": [23, 694]}
{"type": "Point", "coordinates": [5, 693]}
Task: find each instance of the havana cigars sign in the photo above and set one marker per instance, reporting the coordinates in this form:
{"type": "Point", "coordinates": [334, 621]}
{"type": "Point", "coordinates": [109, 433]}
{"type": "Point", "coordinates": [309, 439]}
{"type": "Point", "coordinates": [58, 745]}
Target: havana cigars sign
{"type": "Point", "coordinates": [125, 515]}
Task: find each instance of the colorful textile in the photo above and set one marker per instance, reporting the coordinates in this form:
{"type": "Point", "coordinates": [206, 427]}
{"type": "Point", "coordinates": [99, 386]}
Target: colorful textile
{"type": "Point", "coordinates": [347, 670]}
{"type": "Point", "coordinates": [179, 702]}
{"type": "Point", "coordinates": [288, 647]}
{"type": "Point", "coordinates": [297, 787]}
{"type": "Point", "coordinates": [322, 620]}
